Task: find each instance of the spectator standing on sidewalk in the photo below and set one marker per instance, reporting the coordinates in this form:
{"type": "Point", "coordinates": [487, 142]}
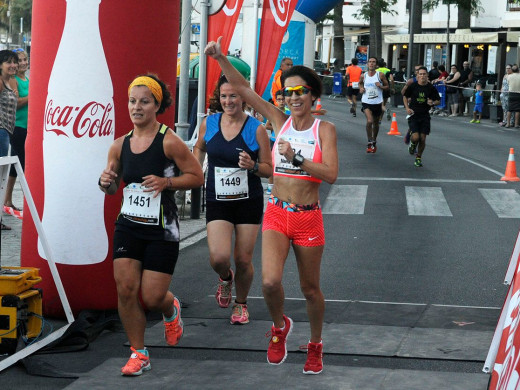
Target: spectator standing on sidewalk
{"type": "Point", "coordinates": [504, 97]}
{"type": "Point", "coordinates": [387, 92]}
{"type": "Point", "coordinates": [304, 155]}
{"type": "Point", "coordinates": [146, 238]}
{"type": "Point", "coordinates": [434, 72]}
{"type": "Point", "coordinates": [423, 96]}
{"type": "Point", "coordinates": [514, 95]}
{"type": "Point", "coordinates": [452, 92]}
{"type": "Point", "coordinates": [286, 64]}
{"type": "Point", "coordinates": [238, 152]}
{"type": "Point", "coordinates": [372, 85]}
{"type": "Point", "coordinates": [466, 77]}
{"type": "Point", "coordinates": [352, 76]}
{"type": "Point", "coordinates": [17, 138]}
{"type": "Point", "coordinates": [8, 101]}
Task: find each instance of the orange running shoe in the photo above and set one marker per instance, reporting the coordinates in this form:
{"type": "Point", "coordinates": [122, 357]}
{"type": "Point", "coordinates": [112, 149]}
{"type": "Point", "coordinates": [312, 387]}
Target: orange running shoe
{"type": "Point", "coordinates": [223, 294]}
{"type": "Point", "coordinates": [173, 330]}
{"type": "Point", "coordinates": [137, 363]}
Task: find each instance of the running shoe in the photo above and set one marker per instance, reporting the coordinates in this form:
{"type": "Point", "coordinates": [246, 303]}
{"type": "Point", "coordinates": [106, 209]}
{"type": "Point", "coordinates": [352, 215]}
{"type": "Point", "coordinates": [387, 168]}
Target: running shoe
{"type": "Point", "coordinates": [223, 294]}
{"type": "Point", "coordinates": [277, 350]}
{"type": "Point", "coordinates": [354, 114]}
{"type": "Point", "coordinates": [388, 115]}
{"type": "Point", "coordinates": [137, 363]}
{"type": "Point", "coordinates": [239, 314]}
{"type": "Point", "coordinates": [352, 110]}
{"type": "Point", "coordinates": [472, 121]}
{"type": "Point", "coordinates": [407, 137]}
{"type": "Point", "coordinates": [269, 189]}
{"type": "Point", "coordinates": [314, 363]}
{"type": "Point", "coordinates": [173, 330]}
{"type": "Point", "coordinates": [418, 162]}
{"type": "Point", "coordinates": [374, 147]}
{"type": "Point", "coordinates": [370, 147]}
{"type": "Point", "coordinates": [477, 121]}
{"type": "Point", "coordinates": [411, 148]}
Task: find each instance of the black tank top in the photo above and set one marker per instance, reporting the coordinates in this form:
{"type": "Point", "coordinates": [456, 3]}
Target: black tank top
{"type": "Point", "coordinates": [152, 161]}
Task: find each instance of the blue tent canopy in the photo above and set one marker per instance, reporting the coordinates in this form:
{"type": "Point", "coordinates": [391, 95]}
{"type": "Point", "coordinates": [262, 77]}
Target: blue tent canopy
{"type": "Point", "coordinates": [316, 10]}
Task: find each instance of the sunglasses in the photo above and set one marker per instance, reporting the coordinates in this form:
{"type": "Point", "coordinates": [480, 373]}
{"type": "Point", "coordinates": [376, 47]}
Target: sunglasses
{"type": "Point", "coordinates": [18, 50]}
{"type": "Point", "coordinates": [299, 90]}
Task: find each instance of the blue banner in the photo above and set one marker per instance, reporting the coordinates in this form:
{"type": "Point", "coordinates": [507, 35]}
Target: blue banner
{"type": "Point", "coordinates": [292, 47]}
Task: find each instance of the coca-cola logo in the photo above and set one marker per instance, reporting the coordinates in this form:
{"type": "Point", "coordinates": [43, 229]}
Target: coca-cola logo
{"type": "Point", "coordinates": [280, 10]}
{"type": "Point", "coordinates": [230, 9]}
{"type": "Point", "coordinates": [93, 119]}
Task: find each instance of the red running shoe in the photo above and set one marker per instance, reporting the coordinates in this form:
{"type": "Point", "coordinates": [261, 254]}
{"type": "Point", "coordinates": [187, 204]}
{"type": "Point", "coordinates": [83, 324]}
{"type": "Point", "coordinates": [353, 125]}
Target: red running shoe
{"type": "Point", "coordinates": [277, 350]}
{"type": "Point", "coordinates": [314, 363]}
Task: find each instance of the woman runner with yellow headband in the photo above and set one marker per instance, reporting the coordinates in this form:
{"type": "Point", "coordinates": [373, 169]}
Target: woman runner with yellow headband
{"type": "Point", "coordinates": [146, 238]}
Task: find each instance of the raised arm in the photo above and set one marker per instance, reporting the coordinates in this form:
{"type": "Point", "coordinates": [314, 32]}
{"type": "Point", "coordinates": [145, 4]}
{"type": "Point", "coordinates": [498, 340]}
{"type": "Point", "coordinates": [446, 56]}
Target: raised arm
{"type": "Point", "coordinates": [268, 110]}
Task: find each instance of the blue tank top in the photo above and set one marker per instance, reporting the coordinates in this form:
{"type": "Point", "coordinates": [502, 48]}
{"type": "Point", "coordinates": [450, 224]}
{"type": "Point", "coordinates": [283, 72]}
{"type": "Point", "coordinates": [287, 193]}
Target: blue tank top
{"type": "Point", "coordinates": [223, 153]}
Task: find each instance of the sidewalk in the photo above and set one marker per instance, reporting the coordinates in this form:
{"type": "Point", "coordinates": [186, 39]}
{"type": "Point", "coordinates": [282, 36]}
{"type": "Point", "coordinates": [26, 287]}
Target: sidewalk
{"type": "Point", "coordinates": [192, 230]}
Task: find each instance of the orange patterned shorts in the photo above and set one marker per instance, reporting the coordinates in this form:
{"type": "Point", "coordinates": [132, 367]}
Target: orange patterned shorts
{"type": "Point", "coordinates": [303, 224]}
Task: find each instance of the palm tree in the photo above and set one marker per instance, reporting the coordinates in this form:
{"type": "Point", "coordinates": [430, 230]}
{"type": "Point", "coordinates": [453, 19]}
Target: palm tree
{"type": "Point", "coordinates": [371, 11]}
{"type": "Point", "coordinates": [339, 42]}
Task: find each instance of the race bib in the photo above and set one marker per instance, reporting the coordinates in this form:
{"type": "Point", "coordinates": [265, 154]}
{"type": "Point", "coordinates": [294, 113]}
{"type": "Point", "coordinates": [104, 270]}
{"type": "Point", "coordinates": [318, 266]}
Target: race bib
{"type": "Point", "coordinates": [139, 206]}
{"type": "Point", "coordinates": [231, 184]}
{"type": "Point", "coordinates": [303, 146]}
{"type": "Point", "coordinates": [372, 92]}
{"type": "Point", "coordinates": [355, 84]}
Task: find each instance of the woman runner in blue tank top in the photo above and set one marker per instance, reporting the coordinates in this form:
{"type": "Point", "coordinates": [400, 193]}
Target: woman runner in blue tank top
{"type": "Point", "coordinates": [238, 155]}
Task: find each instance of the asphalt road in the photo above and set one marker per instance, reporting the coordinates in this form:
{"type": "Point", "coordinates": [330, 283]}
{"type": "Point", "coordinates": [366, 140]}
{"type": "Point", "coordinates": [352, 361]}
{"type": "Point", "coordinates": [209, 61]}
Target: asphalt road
{"type": "Point", "coordinates": [396, 234]}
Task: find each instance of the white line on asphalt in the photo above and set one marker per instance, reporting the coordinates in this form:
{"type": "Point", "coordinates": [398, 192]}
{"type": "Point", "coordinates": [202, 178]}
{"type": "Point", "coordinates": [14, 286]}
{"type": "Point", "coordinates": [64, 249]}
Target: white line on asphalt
{"type": "Point", "coordinates": [192, 239]}
{"type": "Point", "coordinates": [504, 202]}
{"type": "Point", "coordinates": [427, 201]}
{"type": "Point", "coordinates": [424, 180]}
{"type": "Point", "coordinates": [477, 164]}
{"type": "Point", "coordinates": [386, 303]}
{"type": "Point", "coordinates": [346, 199]}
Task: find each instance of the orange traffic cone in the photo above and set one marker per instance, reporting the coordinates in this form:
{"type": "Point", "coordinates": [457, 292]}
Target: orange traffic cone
{"type": "Point", "coordinates": [318, 109]}
{"type": "Point", "coordinates": [510, 174]}
{"type": "Point", "coordinates": [393, 128]}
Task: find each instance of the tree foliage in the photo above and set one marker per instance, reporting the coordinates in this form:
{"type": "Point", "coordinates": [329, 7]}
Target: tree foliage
{"type": "Point", "coordinates": [474, 6]}
{"type": "Point", "coordinates": [368, 10]}
{"type": "Point", "coordinates": [19, 9]}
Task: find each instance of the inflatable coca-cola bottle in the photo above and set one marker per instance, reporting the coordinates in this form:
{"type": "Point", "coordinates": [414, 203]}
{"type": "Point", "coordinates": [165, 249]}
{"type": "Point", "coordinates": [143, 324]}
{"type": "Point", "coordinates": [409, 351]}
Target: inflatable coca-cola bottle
{"type": "Point", "coordinates": [78, 130]}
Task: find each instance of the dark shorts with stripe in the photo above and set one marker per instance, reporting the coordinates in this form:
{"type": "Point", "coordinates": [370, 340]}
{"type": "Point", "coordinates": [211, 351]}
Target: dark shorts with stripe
{"type": "Point", "coordinates": [155, 255]}
{"type": "Point", "coordinates": [237, 212]}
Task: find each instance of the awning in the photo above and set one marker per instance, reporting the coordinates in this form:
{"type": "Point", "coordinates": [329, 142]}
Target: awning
{"type": "Point", "coordinates": [476, 37]}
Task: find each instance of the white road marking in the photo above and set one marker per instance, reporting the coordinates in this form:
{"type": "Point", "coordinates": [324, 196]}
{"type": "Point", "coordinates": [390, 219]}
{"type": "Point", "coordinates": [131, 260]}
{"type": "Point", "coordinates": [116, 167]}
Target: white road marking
{"type": "Point", "coordinates": [423, 180]}
{"type": "Point", "coordinates": [504, 202]}
{"type": "Point", "coordinates": [477, 164]}
{"type": "Point", "coordinates": [427, 201]}
{"type": "Point", "coordinates": [346, 199]}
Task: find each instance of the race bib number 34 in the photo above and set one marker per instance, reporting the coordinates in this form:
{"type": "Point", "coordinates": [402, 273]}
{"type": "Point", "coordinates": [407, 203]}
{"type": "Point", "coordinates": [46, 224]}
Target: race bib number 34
{"type": "Point", "coordinates": [139, 206]}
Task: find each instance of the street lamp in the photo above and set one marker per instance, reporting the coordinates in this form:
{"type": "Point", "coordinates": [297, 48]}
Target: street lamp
{"type": "Point", "coordinates": [9, 16]}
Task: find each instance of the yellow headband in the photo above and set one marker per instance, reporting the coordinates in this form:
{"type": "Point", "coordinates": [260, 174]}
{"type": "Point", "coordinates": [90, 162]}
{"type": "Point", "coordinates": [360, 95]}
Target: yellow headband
{"type": "Point", "coordinates": [152, 85]}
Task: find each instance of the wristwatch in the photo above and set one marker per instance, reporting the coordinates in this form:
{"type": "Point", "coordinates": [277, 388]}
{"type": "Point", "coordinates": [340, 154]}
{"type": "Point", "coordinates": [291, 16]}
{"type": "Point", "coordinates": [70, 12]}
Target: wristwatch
{"type": "Point", "coordinates": [298, 160]}
{"type": "Point", "coordinates": [255, 168]}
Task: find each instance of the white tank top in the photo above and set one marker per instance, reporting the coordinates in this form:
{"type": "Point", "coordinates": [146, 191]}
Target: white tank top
{"type": "Point", "coordinates": [373, 94]}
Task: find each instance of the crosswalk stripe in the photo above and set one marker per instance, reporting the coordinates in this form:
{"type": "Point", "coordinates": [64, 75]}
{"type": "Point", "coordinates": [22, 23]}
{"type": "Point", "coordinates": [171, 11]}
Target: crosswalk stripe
{"type": "Point", "coordinates": [427, 201]}
{"type": "Point", "coordinates": [505, 203]}
{"type": "Point", "coordinates": [346, 199]}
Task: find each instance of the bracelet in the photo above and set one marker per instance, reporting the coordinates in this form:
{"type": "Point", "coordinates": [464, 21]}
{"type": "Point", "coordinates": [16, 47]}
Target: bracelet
{"type": "Point", "coordinates": [102, 186]}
